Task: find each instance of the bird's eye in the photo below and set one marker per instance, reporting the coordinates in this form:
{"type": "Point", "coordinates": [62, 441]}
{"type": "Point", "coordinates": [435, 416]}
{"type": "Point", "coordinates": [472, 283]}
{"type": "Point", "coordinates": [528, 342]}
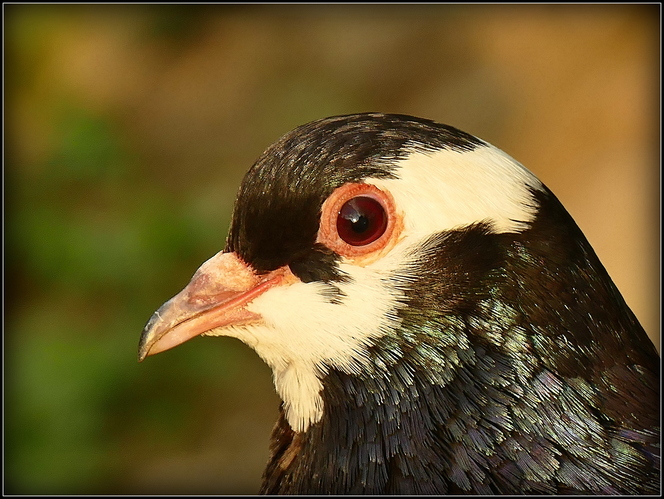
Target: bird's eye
{"type": "Point", "coordinates": [361, 221]}
{"type": "Point", "coordinates": [358, 220]}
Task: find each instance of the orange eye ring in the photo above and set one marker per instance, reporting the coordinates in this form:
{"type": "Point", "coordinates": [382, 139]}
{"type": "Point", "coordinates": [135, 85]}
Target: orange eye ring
{"type": "Point", "coordinates": [358, 220]}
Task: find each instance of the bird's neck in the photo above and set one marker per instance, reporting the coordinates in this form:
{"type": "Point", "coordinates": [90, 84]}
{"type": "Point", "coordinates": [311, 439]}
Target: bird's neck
{"type": "Point", "coordinates": [432, 418]}
{"type": "Point", "coordinates": [376, 436]}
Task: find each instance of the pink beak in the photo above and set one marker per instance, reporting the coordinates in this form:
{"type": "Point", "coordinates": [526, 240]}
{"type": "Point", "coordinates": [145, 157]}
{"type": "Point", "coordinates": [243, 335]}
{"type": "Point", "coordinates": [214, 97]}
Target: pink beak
{"type": "Point", "coordinates": [215, 297]}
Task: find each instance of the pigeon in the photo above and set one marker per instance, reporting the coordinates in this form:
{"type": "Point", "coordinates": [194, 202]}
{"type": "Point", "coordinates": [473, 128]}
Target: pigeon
{"type": "Point", "coordinates": [435, 321]}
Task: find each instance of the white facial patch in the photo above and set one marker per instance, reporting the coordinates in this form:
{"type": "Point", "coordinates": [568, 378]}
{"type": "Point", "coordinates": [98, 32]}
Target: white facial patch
{"type": "Point", "coordinates": [444, 190]}
{"type": "Point", "coordinates": [303, 334]}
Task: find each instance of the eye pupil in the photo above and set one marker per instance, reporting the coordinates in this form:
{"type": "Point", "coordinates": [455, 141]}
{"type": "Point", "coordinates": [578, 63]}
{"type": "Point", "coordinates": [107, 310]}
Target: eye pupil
{"type": "Point", "coordinates": [360, 224]}
{"type": "Point", "coordinates": [361, 221]}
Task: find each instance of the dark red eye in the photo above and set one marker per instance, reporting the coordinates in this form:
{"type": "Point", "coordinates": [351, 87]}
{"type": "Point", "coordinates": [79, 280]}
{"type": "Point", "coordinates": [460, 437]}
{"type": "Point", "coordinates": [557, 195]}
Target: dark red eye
{"type": "Point", "coordinates": [361, 221]}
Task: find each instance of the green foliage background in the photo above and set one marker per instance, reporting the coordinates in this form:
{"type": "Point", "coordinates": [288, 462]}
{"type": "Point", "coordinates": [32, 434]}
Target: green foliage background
{"type": "Point", "coordinates": [128, 129]}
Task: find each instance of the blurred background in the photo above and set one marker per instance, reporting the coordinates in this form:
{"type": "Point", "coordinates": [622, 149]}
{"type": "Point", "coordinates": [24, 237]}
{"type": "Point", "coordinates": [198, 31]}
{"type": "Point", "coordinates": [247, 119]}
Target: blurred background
{"type": "Point", "coordinates": [128, 129]}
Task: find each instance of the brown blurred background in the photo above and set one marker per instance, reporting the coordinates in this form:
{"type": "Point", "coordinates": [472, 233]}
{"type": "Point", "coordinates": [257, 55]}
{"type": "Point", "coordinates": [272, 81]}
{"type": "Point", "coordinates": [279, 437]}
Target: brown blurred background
{"type": "Point", "coordinates": [128, 129]}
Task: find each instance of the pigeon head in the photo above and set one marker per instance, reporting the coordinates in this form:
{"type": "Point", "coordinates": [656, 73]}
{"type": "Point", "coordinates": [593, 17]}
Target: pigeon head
{"type": "Point", "coordinates": [417, 283]}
